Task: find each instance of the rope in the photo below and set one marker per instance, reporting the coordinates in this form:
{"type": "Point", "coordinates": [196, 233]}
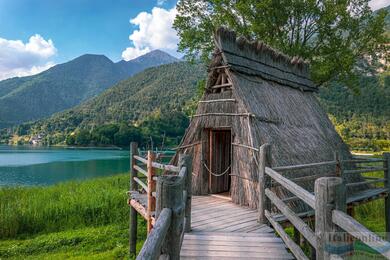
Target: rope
{"type": "Point", "coordinates": [215, 174]}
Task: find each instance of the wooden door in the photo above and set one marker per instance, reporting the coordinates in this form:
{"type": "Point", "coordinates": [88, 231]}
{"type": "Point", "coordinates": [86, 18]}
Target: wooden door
{"type": "Point", "coordinates": [219, 161]}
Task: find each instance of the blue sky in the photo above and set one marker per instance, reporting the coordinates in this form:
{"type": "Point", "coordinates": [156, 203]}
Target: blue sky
{"type": "Point", "coordinates": [76, 27]}
{"type": "Point", "coordinates": [37, 34]}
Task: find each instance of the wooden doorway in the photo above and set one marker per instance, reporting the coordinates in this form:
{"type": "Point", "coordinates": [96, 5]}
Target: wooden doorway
{"type": "Point", "coordinates": [219, 161]}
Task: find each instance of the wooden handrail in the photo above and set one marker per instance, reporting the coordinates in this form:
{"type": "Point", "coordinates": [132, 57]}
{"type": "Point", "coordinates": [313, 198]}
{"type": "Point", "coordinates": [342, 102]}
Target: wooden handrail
{"type": "Point", "coordinates": [152, 246]}
{"type": "Point", "coordinates": [139, 158]}
{"type": "Point", "coordinates": [354, 184]}
{"type": "Point", "coordinates": [143, 185]}
{"type": "Point", "coordinates": [303, 228]}
{"type": "Point", "coordinates": [360, 232]}
{"type": "Point", "coordinates": [140, 170]}
{"type": "Point", "coordinates": [374, 169]}
{"type": "Point", "coordinates": [303, 166]}
{"type": "Point", "coordinates": [165, 167]}
{"type": "Point", "coordinates": [292, 187]}
{"type": "Point", "coordinates": [294, 248]}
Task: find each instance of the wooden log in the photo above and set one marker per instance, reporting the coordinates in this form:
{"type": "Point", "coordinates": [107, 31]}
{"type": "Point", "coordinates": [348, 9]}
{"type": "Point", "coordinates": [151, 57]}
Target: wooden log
{"type": "Point", "coordinates": [298, 223]}
{"type": "Point", "coordinates": [246, 146]}
{"type": "Point", "coordinates": [225, 85]}
{"type": "Point", "coordinates": [386, 164]}
{"type": "Point", "coordinates": [140, 159]}
{"type": "Point", "coordinates": [294, 248]}
{"type": "Point", "coordinates": [224, 114]}
{"type": "Point", "coordinates": [325, 196]}
{"type": "Point", "coordinates": [140, 170]}
{"type": "Point", "coordinates": [187, 145]}
{"type": "Point", "coordinates": [170, 195]}
{"type": "Point", "coordinates": [143, 185]}
{"type": "Point", "coordinates": [217, 100]}
{"type": "Point", "coordinates": [292, 187]}
{"type": "Point", "coordinates": [151, 188]}
{"type": "Point", "coordinates": [359, 231]}
{"type": "Point", "coordinates": [264, 183]}
{"type": "Point", "coordinates": [303, 166]}
{"type": "Point", "coordinates": [133, 212]}
{"type": "Point", "coordinates": [338, 163]}
{"type": "Point", "coordinates": [354, 184]}
{"type": "Point", "coordinates": [185, 161]}
{"type": "Point", "coordinates": [152, 246]}
{"type": "Point", "coordinates": [374, 169]}
{"type": "Point", "coordinates": [170, 168]}
{"type": "Point", "coordinates": [363, 160]}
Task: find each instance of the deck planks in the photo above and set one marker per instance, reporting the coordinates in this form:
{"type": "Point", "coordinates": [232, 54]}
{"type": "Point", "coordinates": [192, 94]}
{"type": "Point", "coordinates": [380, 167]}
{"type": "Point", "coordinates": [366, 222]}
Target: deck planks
{"type": "Point", "coordinates": [224, 230]}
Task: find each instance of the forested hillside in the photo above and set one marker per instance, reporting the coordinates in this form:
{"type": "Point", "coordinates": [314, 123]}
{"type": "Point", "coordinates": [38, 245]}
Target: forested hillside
{"type": "Point", "coordinates": [146, 105]}
{"type": "Point", "coordinates": [66, 85]}
{"type": "Point", "coordinates": [151, 103]}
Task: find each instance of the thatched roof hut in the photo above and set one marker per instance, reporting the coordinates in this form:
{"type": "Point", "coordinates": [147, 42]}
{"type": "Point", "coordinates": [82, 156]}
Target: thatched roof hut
{"type": "Point", "coordinates": [256, 95]}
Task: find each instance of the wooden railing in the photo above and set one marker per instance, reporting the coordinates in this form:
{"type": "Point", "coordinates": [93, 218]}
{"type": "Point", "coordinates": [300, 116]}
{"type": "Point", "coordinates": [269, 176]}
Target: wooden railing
{"type": "Point", "coordinates": [327, 237]}
{"type": "Point", "coordinates": [168, 207]}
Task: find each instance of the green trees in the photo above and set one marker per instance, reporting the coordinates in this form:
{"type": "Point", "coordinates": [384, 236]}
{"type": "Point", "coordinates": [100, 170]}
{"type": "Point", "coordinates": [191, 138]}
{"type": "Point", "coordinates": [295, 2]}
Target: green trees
{"type": "Point", "coordinates": [332, 35]}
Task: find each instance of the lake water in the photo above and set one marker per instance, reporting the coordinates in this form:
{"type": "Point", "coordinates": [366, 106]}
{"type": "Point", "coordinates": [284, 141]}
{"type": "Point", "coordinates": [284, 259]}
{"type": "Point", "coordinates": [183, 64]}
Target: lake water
{"type": "Point", "coordinates": [45, 166]}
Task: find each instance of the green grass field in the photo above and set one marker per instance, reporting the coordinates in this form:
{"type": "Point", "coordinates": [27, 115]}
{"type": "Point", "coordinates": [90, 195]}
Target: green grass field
{"type": "Point", "coordinates": [69, 220]}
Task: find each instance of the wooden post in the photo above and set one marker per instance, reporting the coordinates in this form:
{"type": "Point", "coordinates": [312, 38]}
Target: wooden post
{"type": "Point", "coordinates": [338, 163]}
{"type": "Point", "coordinates": [170, 195]}
{"type": "Point", "coordinates": [186, 161]}
{"type": "Point", "coordinates": [133, 187]}
{"type": "Point", "coordinates": [326, 189]}
{"type": "Point", "coordinates": [386, 165]}
{"type": "Point", "coordinates": [264, 182]}
{"type": "Point", "coordinates": [151, 187]}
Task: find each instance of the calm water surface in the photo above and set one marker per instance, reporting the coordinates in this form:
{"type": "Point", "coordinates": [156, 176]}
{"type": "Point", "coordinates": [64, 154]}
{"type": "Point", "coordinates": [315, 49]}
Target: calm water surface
{"type": "Point", "coordinates": [45, 166]}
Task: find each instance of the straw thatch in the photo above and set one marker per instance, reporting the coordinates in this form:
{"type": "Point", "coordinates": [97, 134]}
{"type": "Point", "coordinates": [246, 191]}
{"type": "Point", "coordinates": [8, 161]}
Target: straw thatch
{"type": "Point", "coordinates": [275, 103]}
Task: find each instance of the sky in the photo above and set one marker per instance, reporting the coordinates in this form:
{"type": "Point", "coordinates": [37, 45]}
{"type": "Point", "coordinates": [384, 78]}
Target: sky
{"type": "Point", "coordinates": [37, 34]}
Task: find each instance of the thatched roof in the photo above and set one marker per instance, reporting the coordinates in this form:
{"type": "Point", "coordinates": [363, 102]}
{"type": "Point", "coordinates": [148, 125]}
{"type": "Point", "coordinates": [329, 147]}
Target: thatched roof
{"type": "Point", "coordinates": [258, 59]}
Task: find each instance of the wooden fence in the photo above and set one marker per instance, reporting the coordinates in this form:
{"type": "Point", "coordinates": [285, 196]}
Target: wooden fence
{"type": "Point", "coordinates": [166, 204]}
{"type": "Point", "coordinates": [329, 203]}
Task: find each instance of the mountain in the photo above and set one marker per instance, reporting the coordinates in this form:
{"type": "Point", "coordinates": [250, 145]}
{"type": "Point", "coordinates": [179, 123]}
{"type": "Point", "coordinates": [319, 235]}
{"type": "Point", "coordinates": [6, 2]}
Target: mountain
{"type": "Point", "coordinates": [156, 90]}
{"type": "Point", "coordinates": [66, 85]}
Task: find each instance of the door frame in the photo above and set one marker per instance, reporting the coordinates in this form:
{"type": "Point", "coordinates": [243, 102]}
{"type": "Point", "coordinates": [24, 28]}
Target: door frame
{"type": "Point", "coordinates": [208, 154]}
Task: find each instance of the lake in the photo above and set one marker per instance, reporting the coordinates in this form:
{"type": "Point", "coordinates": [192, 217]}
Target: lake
{"type": "Point", "coordinates": [44, 166]}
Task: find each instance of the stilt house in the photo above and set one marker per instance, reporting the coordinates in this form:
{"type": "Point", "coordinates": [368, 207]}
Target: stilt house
{"type": "Point", "coordinates": [256, 95]}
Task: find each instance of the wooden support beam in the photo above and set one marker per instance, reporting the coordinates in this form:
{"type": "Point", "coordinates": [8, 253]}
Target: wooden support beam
{"type": "Point", "coordinates": [222, 86]}
{"type": "Point", "coordinates": [151, 188]}
{"type": "Point", "coordinates": [185, 161]}
{"type": "Point", "coordinates": [386, 164]}
{"type": "Point", "coordinates": [217, 100]}
{"type": "Point", "coordinates": [325, 197]}
{"type": "Point", "coordinates": [170, 195]}
{"type": "Point", "coordinates": [264, 182]}
{"type": "Point", "coordinates": [133, 187]}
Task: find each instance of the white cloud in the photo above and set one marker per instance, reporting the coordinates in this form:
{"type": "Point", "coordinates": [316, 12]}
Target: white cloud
{"type": "Point", "coordinates": [22, 59]}
{"type": "Point", "coordinates": [155, 32]}
{"type": "Point", "coordinates": [377, 4]}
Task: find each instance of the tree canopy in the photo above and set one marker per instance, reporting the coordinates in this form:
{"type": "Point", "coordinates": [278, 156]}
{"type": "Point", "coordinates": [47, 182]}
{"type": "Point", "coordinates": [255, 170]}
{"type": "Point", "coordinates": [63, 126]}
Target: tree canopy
{"type": "Point", "coordinates": [332, 35]}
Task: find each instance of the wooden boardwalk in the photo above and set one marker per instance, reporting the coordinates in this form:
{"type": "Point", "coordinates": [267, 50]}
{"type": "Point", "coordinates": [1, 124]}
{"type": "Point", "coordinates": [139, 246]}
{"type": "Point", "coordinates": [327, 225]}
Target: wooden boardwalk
{"type": "Point", "coordinates": [224, 230]}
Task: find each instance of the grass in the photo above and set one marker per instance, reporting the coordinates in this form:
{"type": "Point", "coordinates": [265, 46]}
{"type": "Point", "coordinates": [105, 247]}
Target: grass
{"type": "Point", "coordinates": [71, 220]}
{"type": "Point", "coordinates": [89, 219]}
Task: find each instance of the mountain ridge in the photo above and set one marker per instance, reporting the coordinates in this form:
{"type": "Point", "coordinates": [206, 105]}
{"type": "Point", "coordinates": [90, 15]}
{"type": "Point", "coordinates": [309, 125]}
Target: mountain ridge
{"type": "Point", "coordinates": [68, 84]}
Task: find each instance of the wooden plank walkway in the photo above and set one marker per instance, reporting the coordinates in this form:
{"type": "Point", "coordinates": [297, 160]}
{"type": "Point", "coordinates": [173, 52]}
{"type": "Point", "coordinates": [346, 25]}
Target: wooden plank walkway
{"type": "Point", "coordinates": [224, 230]}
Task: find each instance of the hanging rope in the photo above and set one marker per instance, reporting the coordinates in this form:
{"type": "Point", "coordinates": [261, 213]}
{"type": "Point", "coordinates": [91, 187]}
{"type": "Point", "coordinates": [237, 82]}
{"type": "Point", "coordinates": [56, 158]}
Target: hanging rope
{"type": "Point", "coordinates": [215, 174]}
